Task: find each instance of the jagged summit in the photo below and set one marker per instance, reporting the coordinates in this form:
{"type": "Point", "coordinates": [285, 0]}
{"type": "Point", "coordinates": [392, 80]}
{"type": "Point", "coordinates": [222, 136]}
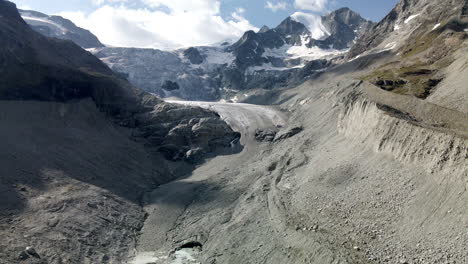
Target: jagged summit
{"type": "Point", "coordinates": [264, 29]}
{"type": "Point", "coordinates": [290, 26]}
{"type": "Point", "coordinates": [336, 31]}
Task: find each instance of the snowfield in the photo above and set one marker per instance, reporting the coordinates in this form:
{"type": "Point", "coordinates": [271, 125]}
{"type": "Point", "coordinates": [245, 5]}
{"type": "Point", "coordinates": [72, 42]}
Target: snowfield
{"type": "Point", "coordinates": [290, 54]}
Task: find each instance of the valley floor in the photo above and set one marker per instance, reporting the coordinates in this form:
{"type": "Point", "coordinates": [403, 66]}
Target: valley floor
{"type": "Point", "coordinates": [355, 186]}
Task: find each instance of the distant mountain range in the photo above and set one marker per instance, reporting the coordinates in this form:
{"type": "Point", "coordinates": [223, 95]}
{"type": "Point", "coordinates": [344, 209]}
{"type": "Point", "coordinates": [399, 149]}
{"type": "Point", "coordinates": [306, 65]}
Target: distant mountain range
{"type": "Point", "coordinates": [266, 59]}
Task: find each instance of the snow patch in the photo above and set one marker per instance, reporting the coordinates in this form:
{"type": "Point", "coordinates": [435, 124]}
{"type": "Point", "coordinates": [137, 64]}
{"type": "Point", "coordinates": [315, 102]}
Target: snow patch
{"type": "Point", "coordinates": [45, 22]}
{"type": "Point", "coordinates": [303, 52]}
{"type": "Point", "coordinates": [216, 56]}
{"type": "Point", "coordinates": [391, 45]}
{"type": "Point", "coordinates": [313, 23]}
{"type": "Point", "coordinates": [269, 67]}
{"type": "Point", "coordinates": [436, 26]}
{"type": "Point", "coordinates": [305, 101]}
{"type": "Point", "coordinates": [184, 256]}
{"type": "Point", "coordinates": [147, 257]}
{"type": "Point", "coordinates": [301, 55]}
{"type": "Point", "coordinates": [235, 99]}
{"type": "Point", "coordinates": [355, 58]}
{"type": "Point", "coordinates": [396, 27]}
{"type": "Point", "coordinates": [411, 18]}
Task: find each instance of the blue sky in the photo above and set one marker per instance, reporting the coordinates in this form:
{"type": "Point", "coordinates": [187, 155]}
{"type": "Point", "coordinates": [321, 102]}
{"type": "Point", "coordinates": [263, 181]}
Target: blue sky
{"type": "Point", "coordinates": [177, 23]}
{"type": "Point", "coordinates": [256, 12]}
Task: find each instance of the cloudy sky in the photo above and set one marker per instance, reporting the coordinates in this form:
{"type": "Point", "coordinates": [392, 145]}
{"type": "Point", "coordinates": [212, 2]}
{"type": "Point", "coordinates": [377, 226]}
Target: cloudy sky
{"type": "Point", "coordinates": [182, 23]}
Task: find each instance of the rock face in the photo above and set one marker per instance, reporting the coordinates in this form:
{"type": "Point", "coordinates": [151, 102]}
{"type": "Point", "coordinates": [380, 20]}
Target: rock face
{"type": "Point", "coordinates": [429, 39]}
{"type": "Point", "coordinates": [344, 26]}
{"type": "Point", "coordinates": [409, 17]}
{"type": "Point", "coordinates": [170, 86]}
{"type": "Point", "coordinates": [59, 27]}
{"type": "Point", "coordinates": [266, 59]}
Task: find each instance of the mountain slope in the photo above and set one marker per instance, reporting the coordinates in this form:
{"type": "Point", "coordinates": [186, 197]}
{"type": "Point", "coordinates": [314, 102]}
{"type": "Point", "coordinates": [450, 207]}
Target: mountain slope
{"type": "Point", "coordinates": [80, 145]}
{"type": "Point", "coordinates": [428, 39]}
{"type": "Point", "coordinates": [58, 27]}
{"type": "Point", "coordinates": [407, 19]}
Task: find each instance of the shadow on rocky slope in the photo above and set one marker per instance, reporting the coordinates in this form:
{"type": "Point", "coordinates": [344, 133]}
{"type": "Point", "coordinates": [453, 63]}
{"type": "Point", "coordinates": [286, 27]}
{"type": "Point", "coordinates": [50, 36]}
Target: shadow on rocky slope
{"type": "Point", "coordinates": [79, 147]}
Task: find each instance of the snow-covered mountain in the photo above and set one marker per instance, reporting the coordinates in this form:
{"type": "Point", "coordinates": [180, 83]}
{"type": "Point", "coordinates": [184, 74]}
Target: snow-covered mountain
{"type": "Point", "coordinates": [298, 47]}
{"type": "Point", "coordinates": [196, 72]}
{"type": "Point", "coordinates": [299, 39]}
{"type": "Point", "coordinates": [265, 59]}
{"type": "Point", "coordinates": [59, 27]}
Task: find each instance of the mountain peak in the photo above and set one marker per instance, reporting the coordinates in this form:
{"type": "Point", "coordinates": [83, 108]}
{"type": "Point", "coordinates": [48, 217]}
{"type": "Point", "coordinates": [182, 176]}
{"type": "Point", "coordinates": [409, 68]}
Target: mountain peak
{"type": "Point", "coordinates": [264, 29]}
{"type": "Point", "coordinates": [291, 26]}
{"type": "Point", "coordinates": [343, 10]}
{"type": "Point", "coordinates": [345, 15]}
{"type": "Point", "coordinates": [8, 10]}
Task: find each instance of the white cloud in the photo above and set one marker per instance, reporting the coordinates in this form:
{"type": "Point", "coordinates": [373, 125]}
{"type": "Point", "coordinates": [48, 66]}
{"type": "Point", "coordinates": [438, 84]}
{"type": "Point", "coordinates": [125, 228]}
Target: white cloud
{"type": "Point", "coordinates": [313, 23]}
{"type": "Point", "coordinates": [240, 10]}
{"type": "Point", "coordinates": [207, 7]}
{"type": "Point", "coordinates": [188, 23]}
{"type": "Point", "coordinates": [276, 6]}
{"type": "Point", "coordinates": [102, 2]}
{"type": "Point", "coordinates": [24, 7]}
{"type": "Point", "coordinates": [312, 5]}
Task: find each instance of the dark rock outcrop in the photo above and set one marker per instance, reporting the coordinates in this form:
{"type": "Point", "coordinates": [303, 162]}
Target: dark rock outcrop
{"type": "Point", "coordinates": [265, 135]}
{"type": "Point", "coordinates": [193, 55]}
{"type": "Point", "coordinates": [285, 134]}
{"type": "Point", "coordinates": [170, 86]}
